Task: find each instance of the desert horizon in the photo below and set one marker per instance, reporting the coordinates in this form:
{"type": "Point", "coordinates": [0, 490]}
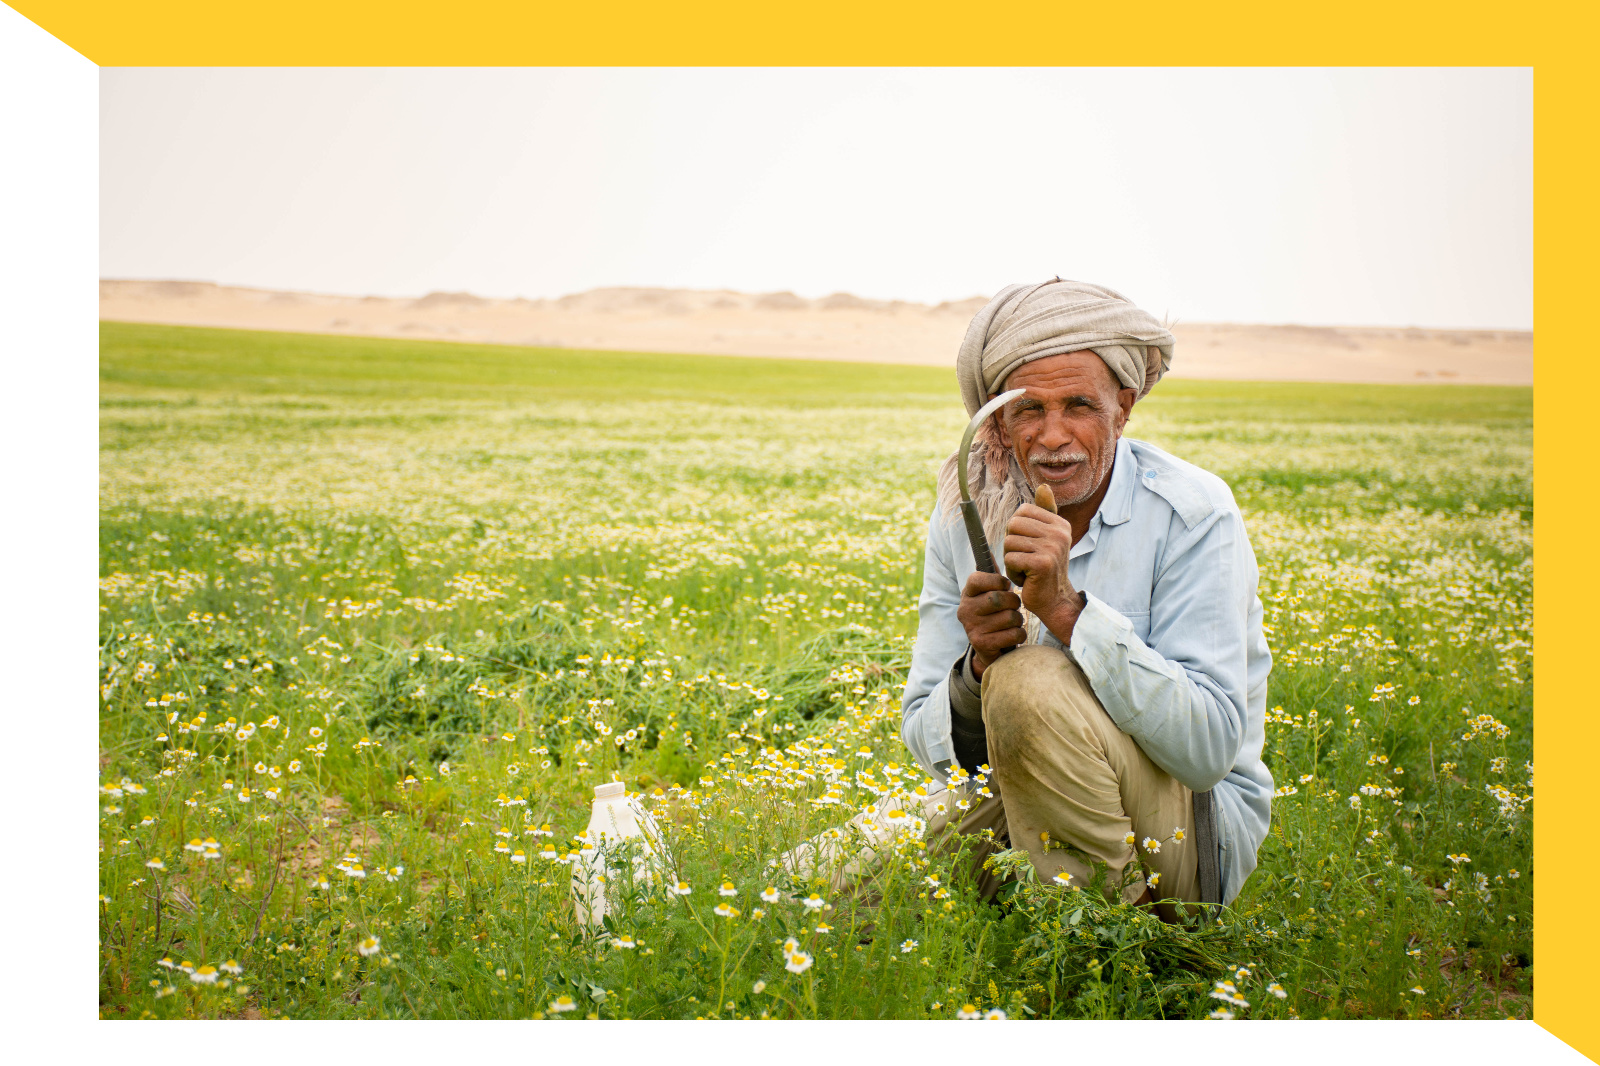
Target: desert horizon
{"type": "Point", "coordinates": [839, 326]}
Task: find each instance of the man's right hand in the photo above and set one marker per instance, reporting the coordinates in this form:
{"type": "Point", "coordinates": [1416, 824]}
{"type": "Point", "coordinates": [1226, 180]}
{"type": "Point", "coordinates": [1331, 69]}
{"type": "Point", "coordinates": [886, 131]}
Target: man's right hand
{"type": "Point", "coordinates": [992, 616]}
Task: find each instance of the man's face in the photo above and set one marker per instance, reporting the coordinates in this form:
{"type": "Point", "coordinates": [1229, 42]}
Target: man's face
{"type": "Point", "coordinates": [1064, 431]}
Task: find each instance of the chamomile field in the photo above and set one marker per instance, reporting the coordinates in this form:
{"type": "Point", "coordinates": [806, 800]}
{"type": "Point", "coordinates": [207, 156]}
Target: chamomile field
{"type": "Point", "coordinates": [377, 616]}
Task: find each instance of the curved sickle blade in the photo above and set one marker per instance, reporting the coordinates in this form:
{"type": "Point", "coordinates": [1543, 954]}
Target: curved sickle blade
{"type": "Point", "coordinates": [972, 428]}
{"type": "Point", "coordinates": [969, 510]}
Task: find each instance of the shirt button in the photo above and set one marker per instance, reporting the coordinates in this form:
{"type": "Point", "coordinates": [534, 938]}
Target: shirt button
{"type": "Point", "coordinates": [1149, 473]}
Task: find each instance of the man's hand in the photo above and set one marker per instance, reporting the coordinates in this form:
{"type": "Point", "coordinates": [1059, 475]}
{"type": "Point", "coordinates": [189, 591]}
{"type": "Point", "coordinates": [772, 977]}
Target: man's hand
{"type": "Point", "coordinates": [1037, 545]}
{"type": "Point", "coordinates": [989, 613]}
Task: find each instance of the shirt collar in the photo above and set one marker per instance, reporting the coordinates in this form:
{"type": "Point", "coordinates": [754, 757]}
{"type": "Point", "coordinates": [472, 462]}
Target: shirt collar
{"type": "Point", "coordinates": [1117, 507]}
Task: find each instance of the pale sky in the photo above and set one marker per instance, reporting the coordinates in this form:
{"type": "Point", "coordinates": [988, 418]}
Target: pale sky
{"type": "Point", "coordinates": [1351, 196]}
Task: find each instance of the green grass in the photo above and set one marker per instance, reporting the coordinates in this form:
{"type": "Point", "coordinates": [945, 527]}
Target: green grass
{"type": "Point", "coordinates": [432, 545]}
{"type": "Point", "coordinates": [245, 362]}
{"type": "Point", "coordinates": [253, 363]}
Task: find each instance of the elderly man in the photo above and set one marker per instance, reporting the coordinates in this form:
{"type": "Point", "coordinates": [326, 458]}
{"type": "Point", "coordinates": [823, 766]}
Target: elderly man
{"type": "Point", "coordinates": [1118, 693]}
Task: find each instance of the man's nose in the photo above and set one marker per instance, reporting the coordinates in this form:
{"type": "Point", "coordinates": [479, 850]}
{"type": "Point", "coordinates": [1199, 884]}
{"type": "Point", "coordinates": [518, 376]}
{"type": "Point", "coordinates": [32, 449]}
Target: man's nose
{"type": "Point", "coordinates": [1055, 433]}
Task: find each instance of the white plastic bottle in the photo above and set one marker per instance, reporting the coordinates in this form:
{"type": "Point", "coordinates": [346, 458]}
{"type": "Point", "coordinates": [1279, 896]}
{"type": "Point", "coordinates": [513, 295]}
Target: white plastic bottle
{"type": "Point", "coordinates": [613, 819]}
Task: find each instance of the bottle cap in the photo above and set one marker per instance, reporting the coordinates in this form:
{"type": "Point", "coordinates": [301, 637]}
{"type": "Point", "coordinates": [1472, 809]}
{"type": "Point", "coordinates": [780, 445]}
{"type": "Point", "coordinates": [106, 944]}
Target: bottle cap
{"type": "Point", "coordinates": [609, 789]}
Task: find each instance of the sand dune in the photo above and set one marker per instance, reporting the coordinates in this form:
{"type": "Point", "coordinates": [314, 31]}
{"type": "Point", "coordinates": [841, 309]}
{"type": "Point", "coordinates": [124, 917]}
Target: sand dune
{"type": "Point", "coordinates": [841, 326]}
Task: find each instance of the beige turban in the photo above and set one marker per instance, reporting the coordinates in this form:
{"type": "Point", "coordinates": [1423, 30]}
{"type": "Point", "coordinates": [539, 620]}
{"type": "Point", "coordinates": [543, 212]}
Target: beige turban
{"type": "Point", "coordinates": [1027, 322]}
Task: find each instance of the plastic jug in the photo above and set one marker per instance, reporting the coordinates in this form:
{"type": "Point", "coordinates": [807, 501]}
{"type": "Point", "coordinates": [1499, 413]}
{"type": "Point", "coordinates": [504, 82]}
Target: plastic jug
{"type": "Point", "coordinates": [613, 819]}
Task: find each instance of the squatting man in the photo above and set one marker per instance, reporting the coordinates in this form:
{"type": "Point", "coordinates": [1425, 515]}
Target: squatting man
{"type": "Point", "coordinates": [1115, 698]}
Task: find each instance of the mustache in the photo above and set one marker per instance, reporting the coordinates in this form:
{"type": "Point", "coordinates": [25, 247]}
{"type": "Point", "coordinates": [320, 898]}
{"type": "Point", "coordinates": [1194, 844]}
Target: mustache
{"type": "Point", "coordinates": [1057, 458]}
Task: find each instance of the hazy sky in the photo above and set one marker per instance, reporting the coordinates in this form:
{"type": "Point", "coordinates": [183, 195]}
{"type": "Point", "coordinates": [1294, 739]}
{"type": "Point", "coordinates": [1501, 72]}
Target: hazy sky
{"type": "Point", "coordinates": [1385, 197]}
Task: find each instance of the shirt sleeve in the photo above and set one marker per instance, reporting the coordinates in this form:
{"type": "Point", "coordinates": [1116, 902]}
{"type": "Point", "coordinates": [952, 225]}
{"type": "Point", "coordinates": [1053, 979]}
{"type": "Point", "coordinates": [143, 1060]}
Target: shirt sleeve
{"type": "Point", "coordinates": [1182, 692]}
{"type": "Point", "coordinates": [925, 708]}
{"type": "Point", "coordinates": [968, 737]}
{"type": "Point", "coordinates": [966, 691]}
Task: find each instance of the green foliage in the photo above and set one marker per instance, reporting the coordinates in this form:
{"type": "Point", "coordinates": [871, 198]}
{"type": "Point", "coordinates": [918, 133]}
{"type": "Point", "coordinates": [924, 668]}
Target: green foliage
{"type": "Point", "coordinates": [699, 575]}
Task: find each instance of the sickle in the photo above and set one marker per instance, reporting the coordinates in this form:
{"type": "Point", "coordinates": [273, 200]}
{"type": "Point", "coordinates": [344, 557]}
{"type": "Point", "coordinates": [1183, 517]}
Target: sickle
{"type": "Point", "coordinates": [969, 510]}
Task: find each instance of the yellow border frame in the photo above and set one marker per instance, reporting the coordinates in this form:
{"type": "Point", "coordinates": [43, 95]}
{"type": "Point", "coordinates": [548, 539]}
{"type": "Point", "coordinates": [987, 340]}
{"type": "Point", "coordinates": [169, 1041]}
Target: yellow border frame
{"type": "Point", "coordinates": [821, 33]}
{"type": "Point", "coordinates": [1552, 39]}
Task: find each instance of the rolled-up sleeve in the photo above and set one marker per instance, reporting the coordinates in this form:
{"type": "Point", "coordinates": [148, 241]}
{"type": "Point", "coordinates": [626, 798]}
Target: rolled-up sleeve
{"type": "Point", "coordinates": [1182, 692]}
{"type": "Point", "coordinates": [925, 708]}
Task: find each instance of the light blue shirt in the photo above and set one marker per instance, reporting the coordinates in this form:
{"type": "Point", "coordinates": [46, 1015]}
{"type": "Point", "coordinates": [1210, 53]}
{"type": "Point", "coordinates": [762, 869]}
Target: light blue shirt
{"type": "Point", "coordinates": [1171, 640]}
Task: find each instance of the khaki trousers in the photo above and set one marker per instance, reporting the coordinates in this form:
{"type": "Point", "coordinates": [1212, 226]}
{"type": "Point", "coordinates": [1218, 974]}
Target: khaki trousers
{"type": "Point", "coordinates": [1070, 786]}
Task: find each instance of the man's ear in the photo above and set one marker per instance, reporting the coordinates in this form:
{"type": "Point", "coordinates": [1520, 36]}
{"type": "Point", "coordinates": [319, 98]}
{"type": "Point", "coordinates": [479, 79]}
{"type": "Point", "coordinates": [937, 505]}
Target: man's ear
{"type": "Point", "coordinates": [1125, 401]}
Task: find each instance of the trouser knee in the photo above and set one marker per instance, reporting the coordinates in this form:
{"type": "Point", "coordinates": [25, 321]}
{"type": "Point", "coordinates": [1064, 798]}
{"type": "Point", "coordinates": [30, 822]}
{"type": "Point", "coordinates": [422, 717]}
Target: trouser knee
{"type": "Point", "coordinates": [1032, 694]}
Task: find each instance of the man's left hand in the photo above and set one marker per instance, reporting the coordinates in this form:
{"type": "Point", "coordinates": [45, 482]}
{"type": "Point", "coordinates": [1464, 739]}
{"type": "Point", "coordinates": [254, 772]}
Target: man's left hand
{"type": "Point", "coordinates": [1037, 545]}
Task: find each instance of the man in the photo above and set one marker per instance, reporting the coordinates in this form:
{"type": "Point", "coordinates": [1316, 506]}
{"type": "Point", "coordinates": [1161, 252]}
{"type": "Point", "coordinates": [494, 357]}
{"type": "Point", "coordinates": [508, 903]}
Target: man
{"type": "Point", "coordinates": [1120, 691]}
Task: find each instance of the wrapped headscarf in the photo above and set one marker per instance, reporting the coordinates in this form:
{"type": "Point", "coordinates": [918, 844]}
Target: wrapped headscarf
{"type": "Point", "coordinates": [1027, 322]}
